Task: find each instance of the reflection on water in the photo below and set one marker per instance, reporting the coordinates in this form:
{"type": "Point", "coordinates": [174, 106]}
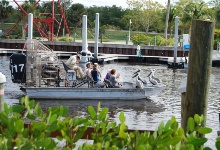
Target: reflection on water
{"type": "Point", "coordinates": [140, 114]}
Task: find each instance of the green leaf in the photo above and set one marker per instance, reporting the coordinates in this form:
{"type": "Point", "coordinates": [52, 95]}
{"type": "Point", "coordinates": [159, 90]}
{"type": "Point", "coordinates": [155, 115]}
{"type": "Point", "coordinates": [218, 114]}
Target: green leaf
{"type": "Point", "coordinates": [207, 148]}
{"type": "Point", "coordinates": [122, 117]}
{"type": "Point", "coordinates": [174, 125]}
{"type": "Point", "coordinates": [217, 144]}
{"type": "Point", "coordinates": [38, 110]}
{"type": "Point", "coordinates": [43, 142]}
{"type": "Point", "coordinates": [19, 126]}
{"type": "Point", "coordinates": [53, 118]}
{"type": "Point", "coordinates": [79, 135]}
{"type": "Point", "coordinates": [204, 130]}
{"type": "Point", "coordinates": [167, 126]}
{"type": "Point", "coordinates": [187, 147]}
{"type": "Point", "coordinates": [27, 146]}
{"type": "Point", "coordinates": [123, 127]}
{"type": "Point", "coordinates": [122, 134]}
{"type": "Point", "coordinates": [26, 102]}
{"type": "Point", "coordinates": [198, 142]}
{"type": "Point", "coordinates": [92, 112]}
{"type": "Point", "coordinates": [160, 128]}
{"type": "Point", "coordinates": [181, 132]}
{"type": "Point", "coordinates": [52, 127]}
{"type": "Point", "coordinates": [190, 124]}
{"type": "Point", "coordinates": [141, 147]}
{"type": "Point", "coordinates": [31, 117]}
{"type": "Point", "coordinates": [39, 126]}
{"type": "Point", "coordinates": [31, 104]}
{"type": "Point", "coordinates": [197, 118]}
{"type": "Point", "coordinates": [103, 114]}
{"type": "Point", "coordinates": [6, 109]}
{"type": "Point", "coordinates": [3, 118]}
{"type": "Point", "coordinates": [17, 108]}
{"type": "Point", "coordinates": [175, 140]}
{"type": "Point", "coordinates": [99, 107]}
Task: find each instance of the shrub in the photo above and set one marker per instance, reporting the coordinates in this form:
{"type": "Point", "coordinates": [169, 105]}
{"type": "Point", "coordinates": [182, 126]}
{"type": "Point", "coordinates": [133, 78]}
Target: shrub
{"type": "Point", "coordinates": [106, 134]}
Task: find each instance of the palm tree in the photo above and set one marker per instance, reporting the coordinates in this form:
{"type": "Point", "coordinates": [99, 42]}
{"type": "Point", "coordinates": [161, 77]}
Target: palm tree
{"type": "Point", "coordinates": [5, 10]}
{"type": "Point", "coordinates": [29, 7]}
{"type": "Point", "coordinates": [167, 19]}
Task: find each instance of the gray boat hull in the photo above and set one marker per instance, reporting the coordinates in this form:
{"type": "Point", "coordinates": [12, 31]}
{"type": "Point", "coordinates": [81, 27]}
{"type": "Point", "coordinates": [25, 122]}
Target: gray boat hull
{"type": "Point", "coordinates": [92, 93]}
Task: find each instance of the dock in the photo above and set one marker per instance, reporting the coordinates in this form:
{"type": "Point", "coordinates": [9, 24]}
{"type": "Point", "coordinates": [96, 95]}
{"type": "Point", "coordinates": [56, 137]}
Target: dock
{"type": "Point", "coordinates": [109, 58]}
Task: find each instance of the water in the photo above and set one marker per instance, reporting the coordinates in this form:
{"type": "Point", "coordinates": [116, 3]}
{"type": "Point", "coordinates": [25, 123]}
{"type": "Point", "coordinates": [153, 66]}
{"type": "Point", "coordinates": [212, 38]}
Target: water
{"type": "Point", "coordinates": [144, 114]}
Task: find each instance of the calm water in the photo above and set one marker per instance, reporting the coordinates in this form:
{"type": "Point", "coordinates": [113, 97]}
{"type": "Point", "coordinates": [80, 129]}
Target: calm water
{"type": "Point", "coordinates": [140, 114]}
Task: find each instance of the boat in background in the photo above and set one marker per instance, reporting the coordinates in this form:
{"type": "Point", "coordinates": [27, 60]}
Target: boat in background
{"type": "Point", "coordinates": [42, 76]}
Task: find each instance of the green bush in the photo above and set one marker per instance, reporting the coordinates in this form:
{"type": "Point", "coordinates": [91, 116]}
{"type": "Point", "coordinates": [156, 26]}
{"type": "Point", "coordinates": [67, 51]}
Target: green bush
{"type": "Point", "coordinates": [216, 38]}
{"type": "Point", "coordinates": [141, 39]}
{"type": "Point", "coordinates": [14, 134]}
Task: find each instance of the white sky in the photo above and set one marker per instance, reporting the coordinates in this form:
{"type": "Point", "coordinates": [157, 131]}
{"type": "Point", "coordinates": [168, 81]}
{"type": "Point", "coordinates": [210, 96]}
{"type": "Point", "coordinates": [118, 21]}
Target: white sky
{"type": "Point", "coordinates": [118, 3]}
{"type": "Point", "coordinates": [88, 3]}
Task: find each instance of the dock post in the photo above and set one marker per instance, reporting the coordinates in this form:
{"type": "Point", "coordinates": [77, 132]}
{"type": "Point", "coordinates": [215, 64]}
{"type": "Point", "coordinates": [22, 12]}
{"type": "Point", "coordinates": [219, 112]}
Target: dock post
{"type": "Point", "coordinates": [195, 101]}
{"type": "Point", "coordinates": [2, 81]}
{"type": "Point", "coordinates": [30, 26]}
{"type": "Point", "coordinates": [96, 37]}
{"type": "Point", "coordinates": [175, 39]}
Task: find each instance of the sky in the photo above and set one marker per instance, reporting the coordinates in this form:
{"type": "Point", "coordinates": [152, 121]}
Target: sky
{"type": "Point", "coordinates": [118, 3]}
{"type": "Point", "coordinates": [88, 3]}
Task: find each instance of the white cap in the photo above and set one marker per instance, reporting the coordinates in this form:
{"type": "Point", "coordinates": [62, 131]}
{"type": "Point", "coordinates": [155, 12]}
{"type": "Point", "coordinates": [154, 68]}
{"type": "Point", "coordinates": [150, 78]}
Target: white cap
{"type": "Point", "coordinates": [2, 78]}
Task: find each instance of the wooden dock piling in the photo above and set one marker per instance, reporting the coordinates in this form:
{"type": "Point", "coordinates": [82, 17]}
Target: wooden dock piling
{"type": "Point", "coordinates": [195, 100]}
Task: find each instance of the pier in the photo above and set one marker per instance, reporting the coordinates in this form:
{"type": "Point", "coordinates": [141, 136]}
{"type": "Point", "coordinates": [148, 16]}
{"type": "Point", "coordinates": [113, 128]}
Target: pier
{"type": "Point", "coordinates": [110, 58]}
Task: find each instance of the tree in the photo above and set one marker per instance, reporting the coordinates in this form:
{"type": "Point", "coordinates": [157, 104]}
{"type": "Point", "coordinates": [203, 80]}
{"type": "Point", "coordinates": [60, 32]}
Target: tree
{"type": "Point", "coordinates": [74, 15]}
{"type": "Point", "coordinates": [145, 12]}
{"type": "Point", "coordinates": [21, 17]}
{"type": "Point", "coordinates": [5, 10]}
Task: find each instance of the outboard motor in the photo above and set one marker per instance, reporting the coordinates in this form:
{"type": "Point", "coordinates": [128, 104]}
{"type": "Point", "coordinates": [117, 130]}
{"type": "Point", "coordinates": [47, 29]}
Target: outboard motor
{"type": "Point", "coordinates": [18, 67]}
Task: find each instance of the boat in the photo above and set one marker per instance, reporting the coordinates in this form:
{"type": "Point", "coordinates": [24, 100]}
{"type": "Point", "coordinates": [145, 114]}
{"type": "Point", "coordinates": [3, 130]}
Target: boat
{"type": "Point", "coordinates": [44, 79]}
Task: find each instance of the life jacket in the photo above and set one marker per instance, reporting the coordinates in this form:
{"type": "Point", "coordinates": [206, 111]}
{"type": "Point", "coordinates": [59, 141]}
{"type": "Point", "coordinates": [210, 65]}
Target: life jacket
{"type": "Point", "coordinates": [95, 76]}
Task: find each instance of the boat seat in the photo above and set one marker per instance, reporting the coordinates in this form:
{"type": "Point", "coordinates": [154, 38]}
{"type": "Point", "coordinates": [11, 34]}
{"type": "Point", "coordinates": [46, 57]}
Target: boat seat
{"type": "Point", "coordinates": [70, 75]}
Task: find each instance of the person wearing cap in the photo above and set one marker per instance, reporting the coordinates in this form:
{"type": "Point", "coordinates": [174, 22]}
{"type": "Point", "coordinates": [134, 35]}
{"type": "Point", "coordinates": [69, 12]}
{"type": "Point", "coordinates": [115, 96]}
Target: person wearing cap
{"type": "Point", "coordinates": [96, 75]}
{"type": "Point", "coordinates": [71, 63]}
{"type": "Point", "coordinates": [88, 68]}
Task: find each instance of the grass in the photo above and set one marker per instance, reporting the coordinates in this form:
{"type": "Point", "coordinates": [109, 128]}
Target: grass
{"type": "Point", "coordinates": [109, 36]}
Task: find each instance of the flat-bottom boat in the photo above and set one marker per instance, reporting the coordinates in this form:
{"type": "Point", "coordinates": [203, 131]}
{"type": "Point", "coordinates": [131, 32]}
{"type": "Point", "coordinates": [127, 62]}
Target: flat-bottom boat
{"type": "Point", "coordinates": [39, 72]}
{"type": "Point", "coordinates": [128, 91]}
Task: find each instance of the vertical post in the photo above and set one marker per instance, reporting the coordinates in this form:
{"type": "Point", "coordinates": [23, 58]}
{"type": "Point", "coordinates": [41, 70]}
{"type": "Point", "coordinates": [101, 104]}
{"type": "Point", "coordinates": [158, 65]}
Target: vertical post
{"type": "Point", "coordinates": [84, 34]}
{"type": "Point", "coordinates": [2, 81]}
{"type": "Point", "coordinates": [199, 70]}
{"type": "Point", "coordinates": [126, 39]}
{"type": "Point", "coordinates": [96, 36]}
{"type": "Point", "coordinates": [30, 26]}
{"type": "Point", "coordinates": [74, 37]}
{"type": "Point", "coordinates": [129, 32]}
{"type": "Point", "coordinates": [175, 39]}
{"type": "Point", "coordinates": [155, 40]}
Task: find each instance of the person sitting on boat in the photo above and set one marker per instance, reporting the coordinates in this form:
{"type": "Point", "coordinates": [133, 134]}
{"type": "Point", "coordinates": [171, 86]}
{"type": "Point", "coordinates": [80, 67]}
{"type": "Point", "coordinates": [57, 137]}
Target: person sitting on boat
{"type": "Point", "coordinates": [88, 68]}
{"type": "Point", "coordinates": [108, 74]}
{"type": "Point", "coordinates": [96, 75]}
{"type": "Point", "coordinates": [114, 79]}
{"type": "Point", "coordinates": [71, 63]}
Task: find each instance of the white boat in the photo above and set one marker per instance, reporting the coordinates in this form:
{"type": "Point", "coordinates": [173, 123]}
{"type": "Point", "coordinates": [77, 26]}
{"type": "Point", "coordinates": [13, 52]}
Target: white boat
{"type": "Point", "coordinates": [43, 81]}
